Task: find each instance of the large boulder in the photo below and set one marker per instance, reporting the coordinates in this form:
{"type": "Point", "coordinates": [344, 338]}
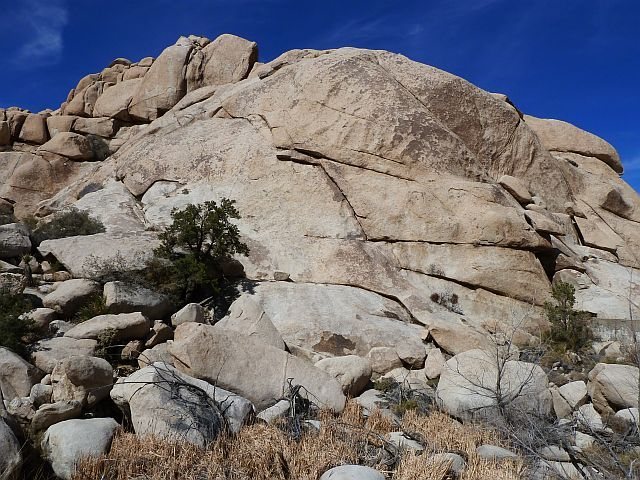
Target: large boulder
{"type": "Point", "coordinates": [121, 297]}
{"type": "Point", "coordinates": [336, 320]}
{"type": "Point", "coordinates": [81, 378]}
{"type": "Point", "coordinates": [11, 456]}
{"type": "Point", "coordinates": [17, 376]}
{"type": "Point", "coordinates": [164, 402]}
{"type": "Point", "coordinates": [228, 59]}
{"type": "Point", "coordinates": [613, 386]}
{"type": "Point", "coordinates": [34, 130]}
{"type": "Point", "coordinates": [92, 256]}
{"type": "Point", "coordinates": [114, 101]}
{"type": "Point", "coordinates": [163, 85]}
{"type": "Point", "coordinates": [467, 385]}
{"type": "Point", "coordinates": [70, 145]}
{"type": "Point", "coordinates": [244, 365]}
{"type": "Point", "coordinates": [66, 443]}
{"type": "Point", "coordinates": [71, 295]}
{"type": "Point", "coordinates": [557, 135]}
{"type": "Point", "coordinates": [120, 327]}
{"type": "Point", "coordinates": [14, 240]}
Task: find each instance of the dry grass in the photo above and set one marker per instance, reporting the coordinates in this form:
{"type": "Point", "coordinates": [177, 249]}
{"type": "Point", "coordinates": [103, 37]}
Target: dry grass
{"type": "Point", "coordinates": [265, 452]}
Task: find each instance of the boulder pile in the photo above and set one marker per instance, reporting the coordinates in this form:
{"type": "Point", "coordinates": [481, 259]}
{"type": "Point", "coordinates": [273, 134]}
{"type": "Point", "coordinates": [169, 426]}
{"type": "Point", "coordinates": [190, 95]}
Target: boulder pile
{"type": "Point", "coordinates": [402, 223]}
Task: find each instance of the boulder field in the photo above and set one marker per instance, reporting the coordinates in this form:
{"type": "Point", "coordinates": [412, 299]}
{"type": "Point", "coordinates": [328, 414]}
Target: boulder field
{"type": "Point", "coordinates": [399, 219]}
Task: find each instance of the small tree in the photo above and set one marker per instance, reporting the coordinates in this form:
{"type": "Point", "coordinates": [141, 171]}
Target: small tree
{"type": "Point", "coordinates": [200, 239]}
{"type": "Point", "coordinates": [568, 326]}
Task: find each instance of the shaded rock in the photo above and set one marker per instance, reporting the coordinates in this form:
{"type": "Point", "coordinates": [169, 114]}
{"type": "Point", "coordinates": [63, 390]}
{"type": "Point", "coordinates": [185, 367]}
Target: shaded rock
{"type": "Point", "coordinates": [17, 376]}
{"type": "Point", "coordinates": [53, 413]}
{"type": "Point", "coordinates": [467, 385]}
{"type": "Point", "coordinates": [132, 350]}
{"type": "Point", "coordinates": [455, 461]}
{"type": "Point", "coordinates": [5, 133]}
{"type": "Point", "coordinates": [11, 458]}
{"type": "Point", "coordinates": [246, 316]}
{"type": "Point", "coordinates": [14, 240]}
{"type": "Point", "coordinates": [165, 402]}
{"type": "Point", "coordinates": [47, 353]}
{"type": "Point", "coordinates": [40, 394]}
{"type": "Point", "coordinates": [69, 145]}
{"type": "Point", "coordinates": [42, 317]}
{"type": "Point", "coordinates": [71, 295]}
{"type": "Point", "coordinates": [65, 443]}
{"type": "Point", "coordinates": [351, 371]}
{"type": "Point", "coordinates": [554, 453]}
{"type": "Point", "coordinates": [120, 327]}
{"type": "Point", "coordinates": [121, 297]}
{"type": "Point", "coordinates": [629, 415]}
{"type": "Point", "coordinates": [235, 361]}
{"type": "Point", "coordinates": [85, 379]}
{"type": "Point", "coordinates": [191, 312]}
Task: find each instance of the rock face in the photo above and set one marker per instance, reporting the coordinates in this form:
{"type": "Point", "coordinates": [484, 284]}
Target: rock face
{"type": "Point", "coordinates": [468, 381]}
{"type": "Point", "coordinates": [165, 402]}
{"type": "Point", "coordinates": [250, 368]}
{"type": "Point", "coordinates": [386, 204]}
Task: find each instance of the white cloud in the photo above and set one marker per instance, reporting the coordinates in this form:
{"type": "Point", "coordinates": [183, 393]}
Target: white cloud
{"type": "Point", "coordinates": [44, 22]}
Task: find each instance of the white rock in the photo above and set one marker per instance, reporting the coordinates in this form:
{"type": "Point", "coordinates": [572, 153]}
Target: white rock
{"type": "Point", "coordinates": [69, 297]}
{"type": "Point", "coordinates": [467, 385]}
{"type": "Point", "coordinates": [402, 442]}
{"type": "Point", "coordinates": [66, 442]}
{"type": "Point", "coordinates": [121, 327]}
{"type": "Point", "coordinates": [352, 472]}
{"type": "Point", "coordinates": [246, 316]}
{"type": "Point", "coordinates": [165, 402]}
{"type": "Point", "coordinates": [493, 452]}
{"type": "Point", "coordinates": [191, 312]}
{"type": "Point", "coordinates": [434, 363]}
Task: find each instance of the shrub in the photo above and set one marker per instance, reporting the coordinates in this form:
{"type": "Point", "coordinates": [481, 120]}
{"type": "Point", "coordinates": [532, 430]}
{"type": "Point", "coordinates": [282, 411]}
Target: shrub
{"type": "Point", "coordinates": [94, 306]}
{"type": "Point", "coordinates": [15, 332]}
{"type": "Point", "coordinates": [568, 326]}
{"type": "Point", "coordinates": [448, 300]}
{"type": "Point", "coordinates": [68, 223]}
{"type": "Point", "coordinates": [200, 239]}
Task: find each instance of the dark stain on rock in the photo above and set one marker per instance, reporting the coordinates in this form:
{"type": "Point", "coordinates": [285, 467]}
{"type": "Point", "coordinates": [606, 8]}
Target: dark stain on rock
{"type": "Point", "coordinates": [334, 344]}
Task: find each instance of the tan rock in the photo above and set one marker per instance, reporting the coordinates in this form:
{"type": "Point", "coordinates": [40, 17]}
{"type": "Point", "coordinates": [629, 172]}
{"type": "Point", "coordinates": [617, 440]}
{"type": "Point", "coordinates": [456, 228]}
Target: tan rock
{"type": "Point", "coordinates": [103, 127]}
{"type": "Point", "coordinates": [5, 133]}
{"type": "Point", "coordinates": [351, 371]}
{"type": "Point", "coordinates": [60, 123]}
{"type": "Point", "coordinates": [16, 119]}
{"type": "Point", "coordinates": [134, 72]}
{"type": "Point", "coordinates": [70, 145]}
{"type": "Point", "coordinates": [34, 129]}
{"type": "Point", "coordinates": [239, 363]}
{"type": "Point", "coordinates": [516, 188]}
{"type": "Point", "coordinates": [564, 137]}
{"type": "Point", "coordinates": [17, 376]}
{"type": "Point", "coordinates": [115, 101]}
{"type": "Point", "coordinates": [163, 85]}
{"type": "Point", "coordinates": [82, 378]}
{"type": "Point", "coordinates": [48, 352]}
{"type": "Point", "coordinates": [121, 327]}
{"type": "Point", "coordinates": [228, 59]}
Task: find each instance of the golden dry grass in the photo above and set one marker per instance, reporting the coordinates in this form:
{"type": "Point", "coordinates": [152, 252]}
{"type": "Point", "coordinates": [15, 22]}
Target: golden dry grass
{"type": "Point", "coordinates": [261, 452]}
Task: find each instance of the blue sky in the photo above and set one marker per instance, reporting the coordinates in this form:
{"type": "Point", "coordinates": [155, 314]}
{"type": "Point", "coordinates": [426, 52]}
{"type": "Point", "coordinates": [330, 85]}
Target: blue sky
{"type": "Point", "coordinates": [576, 60]}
